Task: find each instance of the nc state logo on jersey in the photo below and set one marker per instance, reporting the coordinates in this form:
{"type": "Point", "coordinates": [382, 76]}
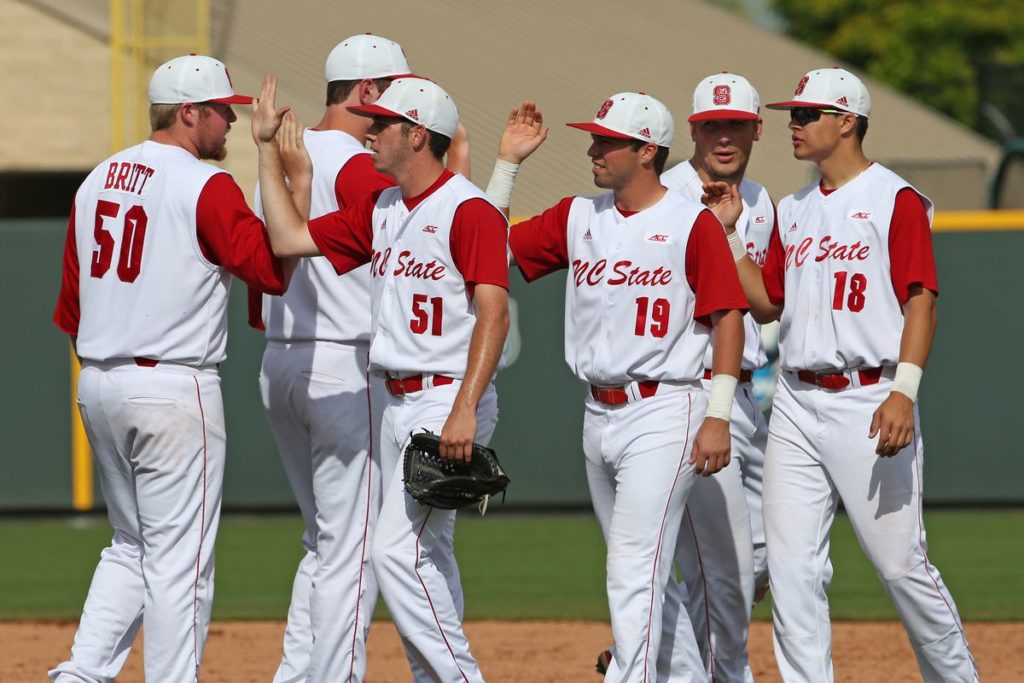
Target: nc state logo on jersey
{"type": "Point", "coordinates": [722, 95]}
{"type": "Point", "coordinates": [801, 85]}
{"type": "Point", "coordinates": [603, 111]}
{"type": "Point", "coordinates": [828, 250]}
{"type": "Point", "coordinates": [623, 273]}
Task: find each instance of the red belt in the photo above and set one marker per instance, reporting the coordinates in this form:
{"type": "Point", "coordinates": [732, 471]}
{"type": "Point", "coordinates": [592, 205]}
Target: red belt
{"type": "Point", "coordinates": [745, 375]}
{"type": "Point", "coordinates": [398, 386]}
{"type": "Point", "coordinates": [614, 396]}
{"type": "Point", "coordinates": [143, 362]}
{"type": "Point", "coordinates": [839, 380]}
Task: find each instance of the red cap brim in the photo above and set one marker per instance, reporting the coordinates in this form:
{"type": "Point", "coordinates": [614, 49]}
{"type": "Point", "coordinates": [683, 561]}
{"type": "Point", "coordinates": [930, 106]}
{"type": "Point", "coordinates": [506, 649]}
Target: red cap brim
{"type": "Point", "coordinates": [374, 110]}
{"type": "Point", "coordinates": [724, 115]}
{"type": "Point", "coordinates": [601, 130]}
{"type": "Point", "coordinates": [234, 99]}
{"type": "Point", "coordinates": [790, 104]}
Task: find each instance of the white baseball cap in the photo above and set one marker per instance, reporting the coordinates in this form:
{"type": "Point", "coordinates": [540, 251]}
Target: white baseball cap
{"type": "Point", "coordinates": [632, 116]}
{"type": "Point", "coordinates": [833, 88]}
{"type": "Point", "coordinates": [418, 100]}
{"type": "Point", "coordinates": [193, 78]}
{"type": "Point", "coordinates": [366, 56]}
{"type": "Point", "coordinates": [725, 96]}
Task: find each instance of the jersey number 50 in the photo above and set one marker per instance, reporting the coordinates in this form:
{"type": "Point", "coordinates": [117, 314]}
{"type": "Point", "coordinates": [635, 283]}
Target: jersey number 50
{"type": "Point", "coordinates": [133, 233]}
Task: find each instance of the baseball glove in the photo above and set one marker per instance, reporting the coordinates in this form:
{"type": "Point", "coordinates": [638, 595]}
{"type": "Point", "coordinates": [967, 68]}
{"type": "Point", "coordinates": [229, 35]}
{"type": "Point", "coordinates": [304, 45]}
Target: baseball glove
{"type": "Point", "coordinates": [448, 485]}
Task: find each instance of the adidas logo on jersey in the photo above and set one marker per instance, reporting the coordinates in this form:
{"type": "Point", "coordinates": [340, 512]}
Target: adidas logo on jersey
{"type": "Point", "coordinates": [861, 215]}
{"type": "Point", "coordinates": [792, 228]}
{"type": "Point", "coordinates": [432, 229]}
{"type": "Point", "coordinates": [657, 237]}
{"type": "Point", "coordinates": [587, 236]}
{"type": "Point", "coordinates": [384, 225]}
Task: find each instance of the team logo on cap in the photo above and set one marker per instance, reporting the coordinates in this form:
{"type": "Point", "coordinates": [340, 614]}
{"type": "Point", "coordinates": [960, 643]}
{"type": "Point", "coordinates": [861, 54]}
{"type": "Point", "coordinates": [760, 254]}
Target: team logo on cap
{"type": "Point", "coordinates": [722, 95]}
{"type": "Point", "coordinates": [603, 111]}
{"type": "Point", "coordinates": [413, 114]}
{"type": "Point", "coordinates": [801, 85]}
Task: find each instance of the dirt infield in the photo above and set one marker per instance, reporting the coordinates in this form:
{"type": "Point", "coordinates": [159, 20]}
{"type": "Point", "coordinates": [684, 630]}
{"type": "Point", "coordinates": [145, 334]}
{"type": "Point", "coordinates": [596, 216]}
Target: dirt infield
{"type": "Point", "coordinates": [517, 652]}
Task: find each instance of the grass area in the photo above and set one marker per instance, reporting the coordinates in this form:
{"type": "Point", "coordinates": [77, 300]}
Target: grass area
{"type": "Point", "coordinates": [513, 566]}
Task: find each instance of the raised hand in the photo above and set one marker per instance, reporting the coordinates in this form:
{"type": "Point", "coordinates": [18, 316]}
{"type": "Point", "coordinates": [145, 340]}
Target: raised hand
{"type": "Point", "coordinates": [524, 132]}
{"type": "Point", "coordinates": [265, 119]}
{"type": "Point", "coordinates": [724, 201]}
{"type": "Point", "coordinates": [294, 155]}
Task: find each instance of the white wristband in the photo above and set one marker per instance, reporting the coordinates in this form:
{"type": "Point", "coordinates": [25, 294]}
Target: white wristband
{"type": "Point", "coordinates": [907, 380]}
{"type": "Point", "coordinates": [723, 390]}
{"type": "Point", "coordinates": [736, 246]}
{"type": "Point", "coordinates": [503, 178]}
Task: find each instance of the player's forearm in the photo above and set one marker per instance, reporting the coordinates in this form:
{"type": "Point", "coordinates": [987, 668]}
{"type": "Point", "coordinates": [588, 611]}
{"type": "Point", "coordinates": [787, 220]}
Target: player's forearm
{"type": "Point", "coordinates": [727, 352]}
{"type": "Point", "coordinates": [919, 320]}
{"type": "Point", "coordinates": [761, 307]}
{"type": "Point", "coordinates": [284, 224]}
{"type": "Point", "coordinates": [485, 346]}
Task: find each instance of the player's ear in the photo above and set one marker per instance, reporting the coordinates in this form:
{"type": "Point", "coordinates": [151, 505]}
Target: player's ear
{"type": "Point", "coordinates": [188, 113]}
{"type": "Point", "coordinates": [758, 128]}
{"type": "Point", "coordinates": [368, 93]}
{"type": "Point", "coordinates": [693, 131]}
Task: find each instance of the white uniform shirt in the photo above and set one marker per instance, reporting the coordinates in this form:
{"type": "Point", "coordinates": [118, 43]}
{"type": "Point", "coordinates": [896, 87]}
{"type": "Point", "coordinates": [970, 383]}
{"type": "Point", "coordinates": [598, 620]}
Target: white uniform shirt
{"type": "Point", "coordinates": [754, 226]}
{"type": "Point", "coordinates": [631, 312]}
{"type": "Point", "coordinates": [145, 288]}
{"type": "Point", "coordinates": [840, 311]}
{"type": "Point", "coordinates": [320, 304]}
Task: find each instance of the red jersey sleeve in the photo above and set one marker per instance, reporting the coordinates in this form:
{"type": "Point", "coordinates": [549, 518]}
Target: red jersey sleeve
{"type": "Point", "coordinates": [358, 179]}
{"type": "Point", "coordinates": [479, 244]}
{"type": "Point", "coordinates": [711, 270]}
{"type": "Point", "coordinates": [540, 244]}
{"type": "Point", "coordinates": [911, 256]}
{"type": "Point", "coordinates": [345, 237]}
{"type": "Point", "coordinates": [68, 312]}
{"type": "Point", "coordinates": [231, 236]}
{"type": "Point", "coordinates": [773, 273]}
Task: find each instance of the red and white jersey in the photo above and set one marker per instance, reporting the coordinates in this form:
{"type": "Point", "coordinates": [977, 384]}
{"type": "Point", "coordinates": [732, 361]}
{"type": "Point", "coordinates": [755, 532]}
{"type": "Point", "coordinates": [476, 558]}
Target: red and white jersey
{"type": "Point", "coordinates": [320, 304]}
{"type": "Point", "coordinates": [641, 288]}
{"type": "Point", "coordinates": [424, 262]}
{"type": "Point", "coordinates": [842, 262]}
{"type": "Point", "coordinates": [754, 226]}
{"type": "Point", "coordinates": [158, 233]}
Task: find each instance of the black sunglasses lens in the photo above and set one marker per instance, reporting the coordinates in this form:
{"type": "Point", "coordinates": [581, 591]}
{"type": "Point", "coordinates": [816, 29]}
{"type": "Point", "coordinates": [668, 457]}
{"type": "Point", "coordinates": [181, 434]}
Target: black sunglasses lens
{"type": "Point", "coordinates": [804, 115]}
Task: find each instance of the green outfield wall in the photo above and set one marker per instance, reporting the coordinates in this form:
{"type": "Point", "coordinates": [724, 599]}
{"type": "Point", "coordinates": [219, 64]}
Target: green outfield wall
{"type": "Point", "coordinates": [970, 402]}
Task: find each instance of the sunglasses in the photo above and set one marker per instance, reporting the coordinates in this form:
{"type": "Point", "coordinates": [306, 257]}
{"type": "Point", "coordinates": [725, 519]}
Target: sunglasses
{"type": "Point", "coordinates": [804, 115]}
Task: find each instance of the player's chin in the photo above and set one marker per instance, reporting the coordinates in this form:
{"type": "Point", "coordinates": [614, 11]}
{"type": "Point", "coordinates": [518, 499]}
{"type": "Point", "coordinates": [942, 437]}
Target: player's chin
{"type": "Point", "coordinates": [215, 154]}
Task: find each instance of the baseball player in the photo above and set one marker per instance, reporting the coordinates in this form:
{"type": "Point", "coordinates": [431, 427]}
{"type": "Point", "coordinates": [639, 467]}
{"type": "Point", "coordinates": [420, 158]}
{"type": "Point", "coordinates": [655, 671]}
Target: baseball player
{"type": "Point", "coordinates": [721, 541]}
{"type": "Point", "coordinates": [152, 216]}
{"type": "Point", "coordinates": [439, 301]}
{"type": "Point", "coordinates": [649, 280]}
{"type": "Point", "coordinates": [323, 406]}
{"type": "Point", "coordinates": [851, 274]}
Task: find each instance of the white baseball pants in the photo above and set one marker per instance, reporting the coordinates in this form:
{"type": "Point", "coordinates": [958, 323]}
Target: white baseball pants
{"type": "Point", "coordinates": [324, 409]}
{"type": "Point", "coordinates": [640, 475]}
{"type": "Point", "coordinates": [412, 551]}
{"type": "Point", "coordinates": [818, 454]}
{"type": "Point", "coordinates": [717, 551]}
{"type": "Point", "coordinates": [157, 434]}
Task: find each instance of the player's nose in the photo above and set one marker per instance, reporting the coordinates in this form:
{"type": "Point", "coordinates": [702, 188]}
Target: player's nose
{"type": "Point", "coordinates": [232, 117]}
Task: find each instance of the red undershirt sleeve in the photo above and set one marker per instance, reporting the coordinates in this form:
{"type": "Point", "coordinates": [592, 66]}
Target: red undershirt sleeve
{"type": "Point", "coordinates": [711, 270]}
{"type": "Point", "coordinates": [345, 237]}
{"type": "Point", "coordinates": [231, 236]}
{"type": "Point", "coordinates": [68, 311]}
{"type": "Point", "coordinates": [479, 244]}
{"type": "Point", "coordinates": [773, 273]}
{"type": "Point", "coordinates": [540, 244]}
{"type": "Point", "coordinates": [911, 255]}
{"type": "Point", "coordinates": [358, 179]}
